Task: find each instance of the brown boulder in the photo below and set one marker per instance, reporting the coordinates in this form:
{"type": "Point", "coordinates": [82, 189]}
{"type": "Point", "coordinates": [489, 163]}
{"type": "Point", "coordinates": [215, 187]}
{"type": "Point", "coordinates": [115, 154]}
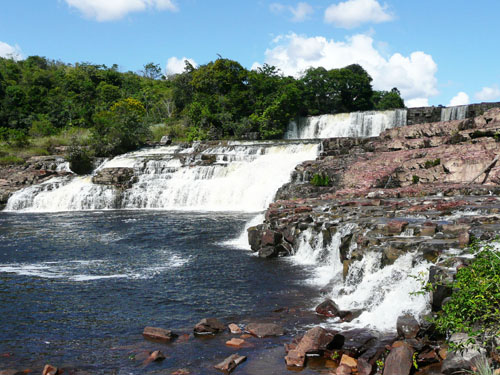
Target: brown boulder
{"type": "Point", "coordinates": [295, 358]}
{"type": "Point", "coordinates": [343, 370]}
{"type": "Point", "coordinates": [364, 367]}
{"type": "Point", "coordinates": [399, 361]}
{"type": "Point", "coordinates": [271, 238]}
{"type": "Point", "coordinates": [328, 308]}
{"type": "Point", "coordinates": [314, 341]}
{"type": "Point", "coordinates": [265, 329]}
{"type": "Point", "coordinates": [407, 326]}
{"type": "Point", "coordinates": [209, 326]}
{"type": "Point", "coordinates": [156, 356]}
{"type": "Point", "coordinates": [348, 361]}
{"type": "Point", "coordinates": [158, 334]}
{"type": "Point", "coordinates": [395, 227]}
{"type": "Point", "coordinates": [230, 363]}
{"type": "Point", "coordinates": [234, 328]}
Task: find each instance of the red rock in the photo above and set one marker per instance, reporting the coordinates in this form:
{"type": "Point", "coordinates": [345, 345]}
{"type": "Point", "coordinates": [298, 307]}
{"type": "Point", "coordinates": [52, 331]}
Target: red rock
{"type": "Point", "coordinates": [295, 358]}
{"type": "Point", "coordinates": [343, 370]}
{"type": "Point", "coordinates": [50, 370]}
{"type": "Point", "coordinates": [399, 361]}
{"type": "Point", "coordinates": [328, 308]}
{"type": "Point", "coordinates": [265, 329]}
{"type": "Point", "coordinates": [158, 334]}
{"type": "Point", "coordinates": [156, 356]}
{"type": "Point", "coordinates": [302, 209]}
{"type": "Point", "coordinates": [270, 238]}
{"type": "Point", "coordinates": [395, 227]}
{"type": "Point", "coordinates": [230, 363]}
{"type": "Point", "coordinates": [236, 343]}
{"type": "Point", "coordinates": [181, 371]}
{"type": "Point", "coordinates": [348, 361]}
{"type": "Point", "coordinates": [364, 367]}
{"type": "Point", "coordinates": [234, 328]}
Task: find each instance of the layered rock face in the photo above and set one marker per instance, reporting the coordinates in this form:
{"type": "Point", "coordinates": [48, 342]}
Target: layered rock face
{"type": "Point", "coordinates": [409, 179]}
{"type": "Point", "coordinates": [35, 171]}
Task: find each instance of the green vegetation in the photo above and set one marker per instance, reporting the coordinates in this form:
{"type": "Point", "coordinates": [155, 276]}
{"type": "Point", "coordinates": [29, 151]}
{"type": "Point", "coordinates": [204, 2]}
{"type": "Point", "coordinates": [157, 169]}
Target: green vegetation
{"type": "Point", "coordinates": [320, 180]}
{"type": "Point", "coordinates": [42, 99]}
{"type": "Point", "coordinates": [474, 307]}
{"type": "Point", "coordinates": [432, 163]}
{"type": "Point", "coordinates": [415, 179]}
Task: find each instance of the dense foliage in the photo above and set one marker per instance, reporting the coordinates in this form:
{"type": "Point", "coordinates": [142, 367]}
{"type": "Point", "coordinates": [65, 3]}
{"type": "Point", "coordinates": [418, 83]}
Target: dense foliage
{"type": "Point", "coordinates": [222, 99]}
{"type": "Point", "coordinates": [474, 306]}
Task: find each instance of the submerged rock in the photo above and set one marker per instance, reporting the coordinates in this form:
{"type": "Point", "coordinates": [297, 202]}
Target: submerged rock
{"type": "Point", "coordinates": [50, 370]}
{"type": "Point", "coordinates": [230, 363]}
{"type": "Point", "coordinates": [265, 329]}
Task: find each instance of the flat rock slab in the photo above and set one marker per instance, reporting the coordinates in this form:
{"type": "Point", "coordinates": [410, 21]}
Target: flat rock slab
{"type": "Point", "coordinates": [158, 334]}
{"type": "Point", "coordinates": [265, 329]}
{"type": "Point", "coordinates": [230, 363]}
{"type": "Point", "coordinates": [236, 343]}
{"type": "Point", "coordinates": [234, 328]}
{"type": "Point", "coordinates": [209, 326]}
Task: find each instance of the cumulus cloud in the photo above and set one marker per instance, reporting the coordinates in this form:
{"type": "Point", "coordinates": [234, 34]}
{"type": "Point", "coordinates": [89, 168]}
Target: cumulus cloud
{"type": "Point", "coordinates": [460, 99]}
{"type": "Point", "coordinates": [299, 13]}
{"type": "Point", "coordinates": [353, 13]}
{"type": "Point", "coordinates": [413, 75]}
{"type": "Point", "coordinates": [176, 65]}
{"type": "Point", "coordinates": [109, 10]}
{"type": "Point", "coordinates": [8, 51]}
{"type": "Point", "coordinates": [488, 94]}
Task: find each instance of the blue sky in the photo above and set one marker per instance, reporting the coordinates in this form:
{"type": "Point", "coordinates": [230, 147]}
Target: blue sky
{"type": "Point", "coordinates": [436, 52]}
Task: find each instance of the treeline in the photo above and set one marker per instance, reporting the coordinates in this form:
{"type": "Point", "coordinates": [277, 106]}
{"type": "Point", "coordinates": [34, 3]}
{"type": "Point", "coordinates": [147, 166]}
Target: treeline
{"type": "Point", "coordinates": [40, 97]}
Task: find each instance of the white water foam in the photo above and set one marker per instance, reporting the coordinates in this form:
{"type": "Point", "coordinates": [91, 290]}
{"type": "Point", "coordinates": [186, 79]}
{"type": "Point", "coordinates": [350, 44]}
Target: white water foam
{"type": "Point", "coordinates": [355, 124]}
{"type": "Point", "coordinates": [383, 293]}
{"type": "Point", "coordinates": [244, 177]}
{"type": "Point", "coordinates": [91, 270]}
{"type": "Point", "coordinates": [241, 242]}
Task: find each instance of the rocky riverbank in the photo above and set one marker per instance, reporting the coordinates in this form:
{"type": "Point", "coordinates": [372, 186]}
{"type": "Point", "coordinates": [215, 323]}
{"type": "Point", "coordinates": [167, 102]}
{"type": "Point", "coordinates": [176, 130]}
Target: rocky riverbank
{"type": "Point", "coordinates": [425, 189]}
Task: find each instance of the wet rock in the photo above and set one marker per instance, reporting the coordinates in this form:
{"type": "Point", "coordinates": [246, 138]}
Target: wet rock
{"type": "Point", "coordinates": [230, 363]}
{"type": "Point", "coordinates": [209, 326]}
{"type": "Point", "coordinates": [295, 358]}
{"type": "Point", "coordinates": [158, 334]}
{"type": "Point", "coordinates": [271, 238]}
{"type": "Point", "coordinates": [399, 361]}
{"type": "Point", "coordinates": [343, 370]}
{"type": "Point", "coordinates": [118, 177]}
{"type": "Point", "coordinates": [348, 361]}
{"type": "Point", "coordinates": [407, 326]}
{"type": "Point", "coordinates": [181, 371]}
{"type": "Point", "coordinates": [395, 227]}
{"type": "Point", "coordinates": [50, 370]}
{"type": "Point", "coordinates": [328, 308]}
{"type": "Point", "coordinates": [314, 341]}
{"type": "Point", "coordinates": [461, 359]}
{"type": "Point", "coordinates": [254, 236]}
{"type": "Point", "coordinates": [265, 329]}
{"type": "Point", "coordinates": [234, 328]}
{"type": "Point", "coordinates": [268, 252]}
{"type": "Point", "coordinates": [236, 343]}
{"type": "Point", "coordinates": [364, 367]}
{"type": "Point", "coordinates": [156, 356]}
{"type": "Point", "coordinates": [165, 140]}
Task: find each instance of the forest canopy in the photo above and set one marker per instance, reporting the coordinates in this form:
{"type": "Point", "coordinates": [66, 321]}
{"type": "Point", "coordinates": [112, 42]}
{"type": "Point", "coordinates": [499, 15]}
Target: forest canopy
{"type": "Point", "coordinates": [222, 99]}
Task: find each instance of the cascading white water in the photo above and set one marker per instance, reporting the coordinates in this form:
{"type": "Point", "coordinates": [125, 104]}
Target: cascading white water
{"type": "Point", "coordinates": [355, 124]}
{"type": "Point", "coordinates": [244, 177]}
{"type": "Point", "coordinates": [454, 113]}
{"type": "Point", "coordinates": [383, 293]}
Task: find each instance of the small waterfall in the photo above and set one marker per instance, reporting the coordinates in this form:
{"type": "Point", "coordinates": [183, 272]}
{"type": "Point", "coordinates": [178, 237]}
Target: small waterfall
{"type": "Point", "coordinates": [454, 113]}
{"type": "Point", "coordinates": [238, 177]}
{"type": "Point", "coordinates": [368, 285]}
{"type": "Point", "coordinates": [355, 124]}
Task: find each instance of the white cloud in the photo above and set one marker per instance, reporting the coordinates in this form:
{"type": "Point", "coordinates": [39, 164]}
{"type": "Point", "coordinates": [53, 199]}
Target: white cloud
{"type": "Point", "coordinates": [109, 10]}
{"type": "Point", "coordinates": [353, 13]}
{"type": "Point", "coordinates": [299, 13]}
{"type": "Point", "coordinates": [418, 102]}
{"type": "Point", "coordinates": [8, 51]}
{"type": "Point", "coordinates": [176, 65]}
{"type": "Point", "coordinates": [488, 94]}
{"type": "Point", "coordinates": [413, 75]}
{"type": "Point", "coordinates": [460, 99]}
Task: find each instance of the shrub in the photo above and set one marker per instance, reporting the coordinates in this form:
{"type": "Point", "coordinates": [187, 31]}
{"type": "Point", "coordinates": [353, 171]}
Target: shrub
{"type": "Point", "coordinates": [320, 180]}
{"type": "Point", "coordinates": [432, 163]}
{"type": "Point", "coordinates": [415, 179]}
{"type": "Point", "coordinates": [10, 159]}
{"type": "Point", "coordinates": [474, 306]}
{"type": "Point", "coordinates": [42, 127]}
{"type": "Point", "coordinates": [80, 159]}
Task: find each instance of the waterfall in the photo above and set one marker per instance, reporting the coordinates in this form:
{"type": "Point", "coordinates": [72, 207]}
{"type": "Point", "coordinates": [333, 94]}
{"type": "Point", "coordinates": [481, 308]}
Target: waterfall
{"type": "Point", "coordinates": [368, 285]}
{"type": "Point", "coordinates": [240, 176]}
{"type": "Point", "coordinates": [454, 113]}
{"type": "Point", "coordinates": [355, 124]}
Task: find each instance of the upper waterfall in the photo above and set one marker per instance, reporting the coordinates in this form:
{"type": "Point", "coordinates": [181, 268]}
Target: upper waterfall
{"type": "Point", "coordinates": [234, 176]}
{"type": "Point", "coordinates": [454, 113]}
{"type": "Point", "coordinates": [355, 124]}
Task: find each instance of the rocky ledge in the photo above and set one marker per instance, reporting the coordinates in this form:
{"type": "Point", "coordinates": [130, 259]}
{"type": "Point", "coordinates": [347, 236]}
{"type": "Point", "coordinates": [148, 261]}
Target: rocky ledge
{"type": "Point", "coordinates": [35, 170]}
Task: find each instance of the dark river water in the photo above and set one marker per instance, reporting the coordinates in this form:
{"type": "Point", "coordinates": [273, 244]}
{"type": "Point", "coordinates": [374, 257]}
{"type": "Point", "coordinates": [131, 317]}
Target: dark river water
{"type": "Point", "coordinates": [77, 289]}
